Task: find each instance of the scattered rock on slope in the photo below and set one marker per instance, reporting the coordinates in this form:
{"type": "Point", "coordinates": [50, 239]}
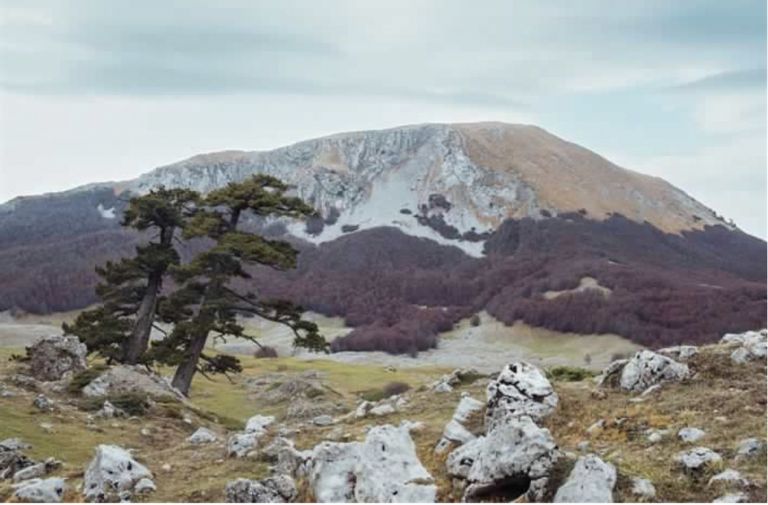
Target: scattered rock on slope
{"type": "Point", "coordinates": [113, 475]}
{"type": "Point", "coordinates": [591, 480]}
{"type": "Point", "coordinates": [520, 389]}
{"type": "Point", "coordinates": [447, 382]}
{"type": "Point", "coordinates": [455, 431]}
{"type": "Point", "coordinates": [383, 468]}
{"type": "Point", "coordinates": [52, 357]}
{"type": "Point", "coordinates": [749, 345]}
{"type": "Point", "coordinates": [698, 459]}
{"type": "Point", "coordinates": [643, 370]}
{"type": "Point", "coordinates": [40, 490]}
{"type": "Point", "coordinates": [129, 379]}
{"type": "Point", "coordinates": [274, 489]}
{"type": "Point", "coordinates": [513, 459]}
{"type": "Point", "coordinates": [680, 352]}
{"type": "Point", "coordinates": [690, 434]}
{"type": "Point", "coordinates": [202, 436]}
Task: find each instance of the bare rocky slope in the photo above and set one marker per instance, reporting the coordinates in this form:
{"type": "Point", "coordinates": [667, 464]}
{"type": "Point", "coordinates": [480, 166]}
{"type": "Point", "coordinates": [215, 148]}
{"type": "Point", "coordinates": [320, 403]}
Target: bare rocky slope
{"type": "Point", "coordinates": [684, 424]}
{"type": "Point", "coordinates": [424, 225]}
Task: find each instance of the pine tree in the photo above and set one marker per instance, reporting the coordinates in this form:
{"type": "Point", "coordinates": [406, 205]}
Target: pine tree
{"type": "Point", "coordinates": [205, 303]}
{"type": "Point", "coordinates": [129, 289]}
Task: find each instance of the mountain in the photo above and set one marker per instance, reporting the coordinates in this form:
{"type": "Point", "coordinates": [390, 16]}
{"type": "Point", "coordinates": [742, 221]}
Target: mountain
{"type": "Point", "coordinates": [424, 225]}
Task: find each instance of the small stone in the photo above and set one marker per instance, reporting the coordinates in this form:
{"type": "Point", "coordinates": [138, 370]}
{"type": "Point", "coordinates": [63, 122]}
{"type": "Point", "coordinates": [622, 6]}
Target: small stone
{"type": "Point", "coordinates": [749, 447]}
{"type": "Point", "coordinates": [323, 420]}
{"type": "Point", "coordinates": [729, 476]}
{"type": "Point", "coordinates": [643, 488]}
{"type": "Point", "coordinates": [202, 436]}
{"type": "Point", "coordinates": [46, 427]}
{"type": "Point", "coordinates": [697, 459]}
{"type": "Point", "coordinates": [596, 426]}
{"type": "Point", "coordinates": [689, 435]}
{"type": "Point", "coordinates": [43, 403]}
{"type": "Point", "coordinates": [382, 410]}
{"type": "Point", "coordinates": [732, 498]}
{"type": "Point", "coordinates": [166, 467]}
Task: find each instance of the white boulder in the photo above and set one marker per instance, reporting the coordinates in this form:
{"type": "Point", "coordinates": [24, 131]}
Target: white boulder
{"type": "Point", "coordinates": [521, 389]}
{"type": "Point", "coordinates": [384, 468]}
{"type": "Point", "coordinates": [49, 490]}
{"type": "Point", "coordinates": [643, 370]}
{"type": "Point", "coordinates": [241, 444]}
{"type": "Point", "coordinates": [750, 345]}
{"type": "Point", "coordinates": [689, 434]}
{"type": "Point", "coordinates": [732, 498]}
{"type": "Point", "coordinates": [729, 477]}
{"type": "Point", "coordinates": [643, 488]}
{"type": "Point", "coordinates": [591, 481]}
{"type": "Point", "coordinates": [749, 447]}
{"type": "Point", "coordinates": [697, 459]}
{"type": "Point", "coordinates": [258, 424]}
{"type": "Point", "coordinates": [202, 436]}
{"type": "Point", "coordinates": [514, 456]}
{"type": "Point", "coordinates": [113, 475]}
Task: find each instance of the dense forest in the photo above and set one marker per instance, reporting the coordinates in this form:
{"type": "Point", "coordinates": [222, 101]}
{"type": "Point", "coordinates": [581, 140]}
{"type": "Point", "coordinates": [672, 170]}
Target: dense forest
{"type": "Point", "coordinates": [399, 291]}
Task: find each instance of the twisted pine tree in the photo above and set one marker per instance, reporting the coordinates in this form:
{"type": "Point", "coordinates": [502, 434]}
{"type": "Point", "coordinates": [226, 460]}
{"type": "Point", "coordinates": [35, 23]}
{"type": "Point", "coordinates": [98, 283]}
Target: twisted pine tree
{"type": "Point", "coordinates": [206, 303]}
{"type": "Point", "coordinates": [120, 327]}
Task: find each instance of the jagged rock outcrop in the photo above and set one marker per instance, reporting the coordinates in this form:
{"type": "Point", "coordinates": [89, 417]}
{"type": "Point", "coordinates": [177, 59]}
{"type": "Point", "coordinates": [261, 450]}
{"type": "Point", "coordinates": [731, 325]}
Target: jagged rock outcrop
{"type": "Point", "coordinates": [53, 357]}
{"type": "Point", "coordinates": [592, 480]}
{"type": "Point", "coordinates": [285, 458]}
{"type": "Point", "coordinates": [750, 345]}
{"type": "Point", "coordinates": [12, 459]}
{"type": "Point", "coordinates": [455, 431]}
{"type": "Point", "coordinates": [521, 389]}
{"type": "Point", "coordinates": [37, 470]}
{"type": "Point", "coordinates": [113, 475]}
{"type": "Point", "coordinates": [49, 490]}
{"type": "Point", "coordinates": [243, 443]}
{"type": "Point", "coordinates": [641, 371]}
{"type": "Point", "coordinates": [129, 379]}
{"type": "Point", "coordinates": [513, 458]}
{"type": "Point", "coordinates": [383, 468]}
{"type": "Point", "coordinates": [274, 489]}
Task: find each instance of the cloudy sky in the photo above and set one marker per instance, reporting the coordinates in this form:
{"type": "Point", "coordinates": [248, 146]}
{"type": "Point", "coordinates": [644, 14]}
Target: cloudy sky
{"type": "Point", "coordinates": [105, 90]}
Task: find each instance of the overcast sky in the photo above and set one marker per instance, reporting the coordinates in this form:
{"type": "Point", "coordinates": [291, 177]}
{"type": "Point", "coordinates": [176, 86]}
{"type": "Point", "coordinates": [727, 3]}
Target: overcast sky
{"type": "Point", "coordinates": [106, 90]}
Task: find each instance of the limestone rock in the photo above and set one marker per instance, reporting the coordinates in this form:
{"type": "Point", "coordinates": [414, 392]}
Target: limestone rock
{"type": "Point", "coordinates": [750, 345]}
{"type": "Point", "coordinates": [689, 435]}
{"type": "Point", "coordinates": [274, 489]}
{"type": "Point", "coordinates": [643, 488]}
{"type": "Point", "coordinates": [643, 370]}
{"type": "Point", "coordinates": [323, 420]}
{"type": "Point", "coordinates": [749, 447]}
{"type": "Point", "coordinates": [383, 468]}
{"type": "Point", "coordinates": [113, 475]}
{"type": "Point", "coordinates": [697, 459]}
{"type": "Point", "coordinates": [680, 352]}
{"type": "Point", "coordinates": [129, 379]}
{"type": "Point", "coordinates": [241, 444]}
{"type": "Point", "coordinates": [591, 480]}
{"type": "Point", "coordinates": [732, 498]}
{"type": "Point", "coordinates": [108, 411]}
{"type": "Point", "coordinates": [515, 456]}
{"type": "Point", "coordinates": [258, 424]}
{"type": "Point", "coordinates": [37, 470]}
{"type": "Point", "coordinates": [455, 431]}
{"type": "Point", "coordinates": [12, 460]}
{"type": "Point", "coordinates": [446, 383]}
{"type": "Point", "coordinates": [40, 490]}
{"type": "Point", "coordinates": [521, 389]}
{"type": "Point", "coordinates": [144, 486]}
{"type": "Point", "coordinates": [43, 403]}
{"type": "Point", "coordinates": [729, 477]}
{"type": "Point", "coordinates": [50, 358]}
{"type": "Point", "coordinates": [202, 436]}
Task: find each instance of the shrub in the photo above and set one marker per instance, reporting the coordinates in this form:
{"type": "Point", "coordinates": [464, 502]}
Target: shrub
{"type": "Point", "coordinates": [474, 320]}
{"type": "Point", "coordinates": [395, 388]}
{"type": "Point", "coordinates": [569, 373]}
{"type": "Point", "coordinates": [82, 379]}
{"type": "Point", "coordinates": [265, 351]}
{"type": "Point", "coordinates": [134, 404]}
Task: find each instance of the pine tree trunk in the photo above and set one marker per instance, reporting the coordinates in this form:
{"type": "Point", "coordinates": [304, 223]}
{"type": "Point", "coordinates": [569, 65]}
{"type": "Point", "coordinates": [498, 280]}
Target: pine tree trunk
{"type": "Point", "coordinates": [185, 372]}
{"type": "Point", "coordinates": [138, 342]}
